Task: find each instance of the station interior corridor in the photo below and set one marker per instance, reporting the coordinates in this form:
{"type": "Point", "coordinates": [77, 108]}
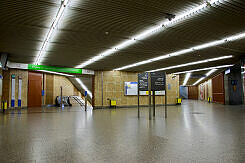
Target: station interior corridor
{"type": "Point", "coordinates": [74, 73]}
{"type": "Point", "coordinates": [195, 131]}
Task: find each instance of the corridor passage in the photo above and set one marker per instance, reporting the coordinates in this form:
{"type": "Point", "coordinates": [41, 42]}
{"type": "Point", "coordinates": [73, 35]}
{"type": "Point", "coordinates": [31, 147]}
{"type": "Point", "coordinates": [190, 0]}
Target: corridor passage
{"type": "Point", "coordinates": [195, 131]}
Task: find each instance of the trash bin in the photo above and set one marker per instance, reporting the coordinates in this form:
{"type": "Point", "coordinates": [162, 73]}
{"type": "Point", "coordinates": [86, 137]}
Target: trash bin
{"type": "Point", "coordinates": [209, 99]}
{"type": "Point", "coordinates": [178, 101]}
{"type": "Point", "coordinates": [113, 103]}
{"type": "Point", "coordinates": [4, 106]}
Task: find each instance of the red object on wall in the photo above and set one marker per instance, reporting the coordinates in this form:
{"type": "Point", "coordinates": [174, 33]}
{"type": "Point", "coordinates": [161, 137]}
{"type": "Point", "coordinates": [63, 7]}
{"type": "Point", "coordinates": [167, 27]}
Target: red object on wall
{"type": "Point", "coordinates": [202, 92]}
{"type": "Point", "coordinates": [34, 89]}
{"type": "Point", "coordinates": [193, 92]}
{"type": "Point", "coordinates": [218, 89]}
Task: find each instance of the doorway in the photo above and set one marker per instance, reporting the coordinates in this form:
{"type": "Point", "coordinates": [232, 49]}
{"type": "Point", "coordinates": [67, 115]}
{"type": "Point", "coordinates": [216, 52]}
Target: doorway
{"type": "Point", "coordinates": [34, 89]}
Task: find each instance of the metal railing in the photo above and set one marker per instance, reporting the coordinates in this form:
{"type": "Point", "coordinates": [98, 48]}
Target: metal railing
{"type": "Point", "coordinates": [79, 100]}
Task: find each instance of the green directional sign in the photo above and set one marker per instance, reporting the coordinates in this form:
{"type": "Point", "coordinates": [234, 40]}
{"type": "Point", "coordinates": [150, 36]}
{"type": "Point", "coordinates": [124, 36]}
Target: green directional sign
{"type": "Point", "coordinates": [54, 69]}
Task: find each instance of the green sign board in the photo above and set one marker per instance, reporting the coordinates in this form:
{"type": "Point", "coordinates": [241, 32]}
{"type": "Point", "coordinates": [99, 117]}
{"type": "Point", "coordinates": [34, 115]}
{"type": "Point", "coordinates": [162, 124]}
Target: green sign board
{"type": "Point", "coordinates": [54, 69]}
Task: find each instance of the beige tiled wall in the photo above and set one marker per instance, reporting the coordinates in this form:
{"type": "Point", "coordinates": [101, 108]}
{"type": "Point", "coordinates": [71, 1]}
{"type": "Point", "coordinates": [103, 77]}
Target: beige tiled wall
{"type": "Point", "coordinates": [1, 73]}
{"type": "Point", "coordinates": [67, 86]}
{"type": "Point", "coordinates": [24, 90]}
{"type": "Point", "coordinates": [51, 86]}
{"type": "Point", "coordinates": [6, 86]}
{"type": "Point", "coordinates": [113, 87]}
{"type": "Point", "coordinates": [49, 89]}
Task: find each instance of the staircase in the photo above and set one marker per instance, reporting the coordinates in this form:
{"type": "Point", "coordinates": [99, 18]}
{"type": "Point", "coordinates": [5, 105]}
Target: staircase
{"type": "Point", "coordinates": [79, 100]}
{"type": "Point", "coordinates": [87, 82]}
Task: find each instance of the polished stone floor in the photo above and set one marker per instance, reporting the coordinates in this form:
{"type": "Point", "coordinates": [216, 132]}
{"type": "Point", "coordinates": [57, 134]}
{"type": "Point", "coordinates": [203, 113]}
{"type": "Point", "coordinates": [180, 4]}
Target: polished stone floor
{"type": "Point", "coordinates": [193, 132]}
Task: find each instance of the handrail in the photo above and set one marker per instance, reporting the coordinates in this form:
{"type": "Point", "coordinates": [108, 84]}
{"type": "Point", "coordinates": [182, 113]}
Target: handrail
{"type": "Point", "coordinates": [79, 101]}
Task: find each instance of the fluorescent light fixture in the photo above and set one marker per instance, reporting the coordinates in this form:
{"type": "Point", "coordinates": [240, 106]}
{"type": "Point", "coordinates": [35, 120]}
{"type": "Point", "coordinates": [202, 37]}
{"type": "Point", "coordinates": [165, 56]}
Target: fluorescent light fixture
{"type": "Point", "coordinates": [213, 1]}
{"type": "Point", "coordinates": [151, 31]}
{"type": "Point", "coordinates": [156, 59]}
{"type": "Point", "coordinates": [187, 76]}
{"type": "Point", "coordinates": [227, 71]}
{"type": "Point", "coordinates": [148, 32]}
{"type": "Point", "coordinates": [57, 73]}
{"type": "Point", "coordinates": [84, 86]}
{"type": "Point", "coordinates": [207, 74]}
{"type": "Point", "coordinates": [124, 44]}
{"type": "Point", "coordinates": [192, 63]}
{"type": "Point", "coordinates": [203, 69]}
{"type": "Point", "coordinates": [210, 72]}
{"type": "Point", "coordinates": [199, 80]}
{"type": "Point", "coordinates": [98, 57]}
{"type": "Point", "coordinates": [235, 37]}
{"type": "Point", "coordinates": [51, 30]}
{"type": "Point", "coordinates": [210, 44]}
{"type": "Point", "coordinates": [184, 51]}
{"type": "Point", "coordinates": [49, 34]}
{"type": "Point", "coordinates": [60, 13]}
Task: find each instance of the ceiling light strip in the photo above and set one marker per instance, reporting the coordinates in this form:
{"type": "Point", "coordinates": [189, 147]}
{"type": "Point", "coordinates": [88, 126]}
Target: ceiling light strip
{"type": "Point", "coordinates": [187, 76]}
{"type": "Point", "coordinates": [149, 32]}
{"type": "Point", "coordinates": [192, 63]}
{"type": "Point", "coordinates": [210, 72]}
{"type": "Point", "coordinates": [203, 69]}
{"type": "Point", "coordinates": [51, 30]}
{"type": "Point", "coordinates": [198, 81]}
{"type": "Point", "coordinates": [207, 74]}
{"type": "Point", "coordinates": [84, 86]}
{"type": "Point", "coordinates": [184, 51]}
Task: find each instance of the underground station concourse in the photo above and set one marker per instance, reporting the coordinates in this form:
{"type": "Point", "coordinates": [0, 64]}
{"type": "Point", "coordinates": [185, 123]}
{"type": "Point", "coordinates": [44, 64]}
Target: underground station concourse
{"type": "Point", "coordinates": [122, 81]}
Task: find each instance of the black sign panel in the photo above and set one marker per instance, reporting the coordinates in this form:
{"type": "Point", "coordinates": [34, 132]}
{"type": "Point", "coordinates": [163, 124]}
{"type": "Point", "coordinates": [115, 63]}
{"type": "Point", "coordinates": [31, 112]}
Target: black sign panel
{"type": "Point", "coordinates": [158, 81]}
{"type": "Point", "coordinates": [143, 81]}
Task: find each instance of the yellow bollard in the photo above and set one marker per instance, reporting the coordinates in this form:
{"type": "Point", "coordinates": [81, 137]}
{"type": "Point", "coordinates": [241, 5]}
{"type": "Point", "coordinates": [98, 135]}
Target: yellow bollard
{"type": "Point", "coordinates": [5, 105]}
{"type": "Point", "coordinates": [209, 99]}
{"type": "Point", "coordinates": [178, 101]}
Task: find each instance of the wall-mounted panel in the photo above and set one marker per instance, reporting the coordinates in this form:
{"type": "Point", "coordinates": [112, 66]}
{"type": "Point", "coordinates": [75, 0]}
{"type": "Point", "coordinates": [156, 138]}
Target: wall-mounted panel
{"type": "Point", "coordinates": [34, 89]}
{"type": "Point", "coordinates": [218, 89]}
{"type": "Point", "coordinates": [193, 92]}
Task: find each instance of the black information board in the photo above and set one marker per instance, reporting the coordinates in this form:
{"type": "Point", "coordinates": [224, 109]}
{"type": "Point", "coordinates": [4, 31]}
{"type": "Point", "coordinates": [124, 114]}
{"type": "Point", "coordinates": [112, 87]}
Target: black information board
{"type": "Point", "coordinates": [143, 81]}
{"type": "Point", "coordinates": [158, 81]}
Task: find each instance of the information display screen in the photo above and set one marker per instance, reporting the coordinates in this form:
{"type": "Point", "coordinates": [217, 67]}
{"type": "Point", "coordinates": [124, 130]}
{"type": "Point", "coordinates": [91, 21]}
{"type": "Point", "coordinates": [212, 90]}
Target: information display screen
{"type": "Point", "coordinates": [131, 88]}
{"type": "Point", "coordinates": [143, 81]}
{"type": "Point", "coordinates": [158, 81]}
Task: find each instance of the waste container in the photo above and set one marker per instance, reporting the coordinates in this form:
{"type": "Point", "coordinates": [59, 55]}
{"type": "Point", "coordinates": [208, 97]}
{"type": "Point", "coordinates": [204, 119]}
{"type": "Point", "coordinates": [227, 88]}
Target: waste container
{"type": "Point", "coordinates": [178, 101]}
{"type": "Point", "coordinates": [113, 103]}
{"type": "Point", "coordinates": [4, 106]}
{"type": "Point", "coordinates": [209, 99]}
